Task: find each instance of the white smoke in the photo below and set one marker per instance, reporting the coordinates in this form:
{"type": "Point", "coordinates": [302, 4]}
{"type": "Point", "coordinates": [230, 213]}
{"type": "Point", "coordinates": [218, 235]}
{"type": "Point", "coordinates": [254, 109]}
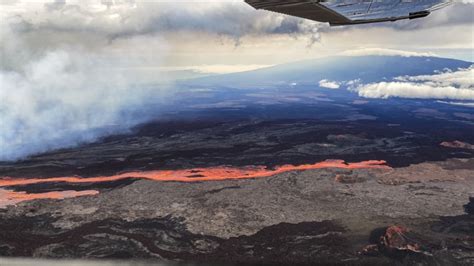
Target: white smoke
{"type": "Point", "coordinates": [67, 67]}
{"type": "Point", "coordinates": [64, 98]}
{"type": "Point", "coordinates": [60, 89]}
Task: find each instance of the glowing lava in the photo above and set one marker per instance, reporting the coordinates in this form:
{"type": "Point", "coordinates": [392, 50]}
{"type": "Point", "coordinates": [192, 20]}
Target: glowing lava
{"type": "Point", "coordinates": [8, 197]}
{"type": "Point", "coordinates": [189, 175]}
{"type": "Point", "coordinates": [200, 174]}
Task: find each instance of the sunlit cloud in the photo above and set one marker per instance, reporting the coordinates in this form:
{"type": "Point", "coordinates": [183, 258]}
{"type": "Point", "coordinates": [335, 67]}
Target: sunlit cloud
{"type": "Point", "coordinates": [452, 85]}
{"type": "Point", "coordinates": [329, 84]}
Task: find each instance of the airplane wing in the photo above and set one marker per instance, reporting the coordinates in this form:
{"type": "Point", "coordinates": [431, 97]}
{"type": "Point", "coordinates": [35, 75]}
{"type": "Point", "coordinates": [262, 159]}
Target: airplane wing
{"type": "Point", "coordinates": [348, 12]}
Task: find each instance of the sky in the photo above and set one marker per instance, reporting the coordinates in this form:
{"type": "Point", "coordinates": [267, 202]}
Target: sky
{"type": "Point", "coordinates": [70, 68]}
{"type": "Point", "coordinates": [215, 36]}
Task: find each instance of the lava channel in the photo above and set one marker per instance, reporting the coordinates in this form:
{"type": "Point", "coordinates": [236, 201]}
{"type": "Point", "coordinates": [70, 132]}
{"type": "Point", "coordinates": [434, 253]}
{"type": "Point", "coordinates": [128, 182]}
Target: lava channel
{"type": "Point", "coordinates": [187, 175]}
{"type": "Point", "coordinates": [8, 197]}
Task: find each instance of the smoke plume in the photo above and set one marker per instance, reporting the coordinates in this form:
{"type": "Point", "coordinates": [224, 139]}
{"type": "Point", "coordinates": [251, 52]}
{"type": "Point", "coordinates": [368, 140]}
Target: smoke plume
{"type": "Point", "coordinates": [66, 68]}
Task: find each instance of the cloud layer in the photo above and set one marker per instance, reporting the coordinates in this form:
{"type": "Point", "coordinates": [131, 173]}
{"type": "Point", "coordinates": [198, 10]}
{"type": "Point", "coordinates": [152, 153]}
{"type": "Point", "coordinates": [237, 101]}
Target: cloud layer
{"type": "Point", "coordinates": [384, 52]}
{"type": "Point", "coordinates": [124, 19]}
{"type": "Point", "coordinates": [452, 85]}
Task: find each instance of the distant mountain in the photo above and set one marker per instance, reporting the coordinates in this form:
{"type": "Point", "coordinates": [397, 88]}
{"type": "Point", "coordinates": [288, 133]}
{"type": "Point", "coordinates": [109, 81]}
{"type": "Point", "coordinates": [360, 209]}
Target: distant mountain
{"type": "Point", "coordinates": [340, 68]}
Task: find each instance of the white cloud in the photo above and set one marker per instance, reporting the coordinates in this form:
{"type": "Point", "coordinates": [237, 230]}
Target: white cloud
{"type": "Point", "coordinates": [386, 90]}
{"type": "Point", "coordinates": [123, 19]}
{"type": "Point", "coordinates": [384, 52]}
{"type": "Point", "coordinates": [329, 84]}
{"type": "Point", "coordinates": [463, 78]}
{"type": "Point", "coordinates": [465, 104]}
{"type": "Point", "coordinates": [457, 85]}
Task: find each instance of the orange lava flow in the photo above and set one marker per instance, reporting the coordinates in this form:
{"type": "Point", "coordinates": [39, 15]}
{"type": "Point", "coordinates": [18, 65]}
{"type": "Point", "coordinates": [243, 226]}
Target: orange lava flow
{"type": "Point", "coordinates": [8, 197]}
{"type": "Point", "coordinates": [199, 174]}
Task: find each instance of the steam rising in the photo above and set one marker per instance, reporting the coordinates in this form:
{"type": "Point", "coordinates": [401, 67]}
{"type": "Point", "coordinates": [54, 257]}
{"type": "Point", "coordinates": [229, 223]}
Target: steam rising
{"type": "Point", "coordinates": [66, 68]}
{"type": "Point", "coordinates": [64, 98]}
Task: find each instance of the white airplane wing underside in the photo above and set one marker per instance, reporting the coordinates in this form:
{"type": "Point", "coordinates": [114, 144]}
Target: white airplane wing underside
{"type": "Point", "coordinates": [347, 12]}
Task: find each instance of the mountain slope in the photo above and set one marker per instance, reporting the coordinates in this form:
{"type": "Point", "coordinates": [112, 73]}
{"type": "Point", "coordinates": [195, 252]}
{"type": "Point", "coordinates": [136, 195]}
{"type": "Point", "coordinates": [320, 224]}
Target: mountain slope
{"type": "Point", "coordinates": [341, 68]}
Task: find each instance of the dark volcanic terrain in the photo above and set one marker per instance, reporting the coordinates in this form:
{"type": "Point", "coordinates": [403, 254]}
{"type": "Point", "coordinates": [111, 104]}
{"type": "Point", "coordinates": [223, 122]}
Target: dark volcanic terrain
{"type": "Point", "coordinates": [275, 175]}
{"type": "Point", "coordinates": [294, 217]}
{"type": "Point", "coordinates": [208, 142]}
